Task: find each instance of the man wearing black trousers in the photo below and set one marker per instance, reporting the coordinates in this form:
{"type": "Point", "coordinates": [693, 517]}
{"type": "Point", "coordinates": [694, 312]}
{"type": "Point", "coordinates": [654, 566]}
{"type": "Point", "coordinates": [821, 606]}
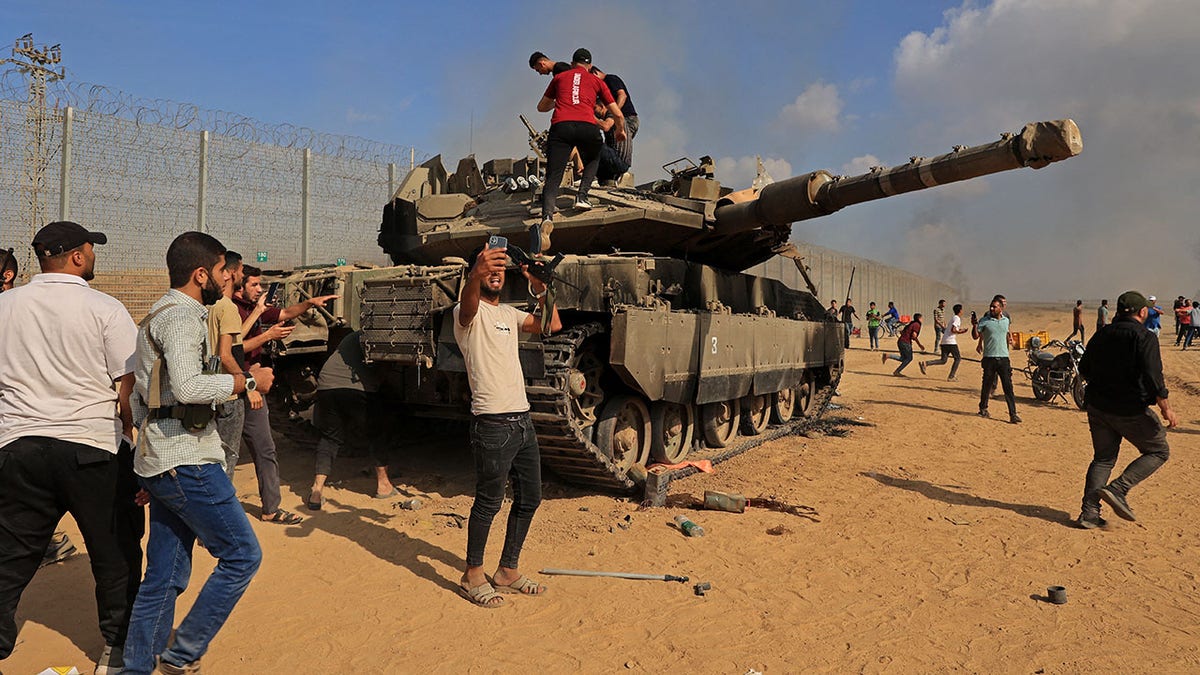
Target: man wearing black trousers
{"type": "Point", "coordinates": [61, 437]}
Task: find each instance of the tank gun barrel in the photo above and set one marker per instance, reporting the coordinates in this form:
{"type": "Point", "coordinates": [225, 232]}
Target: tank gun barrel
{"type": "Point", "coordinates": [819, 194]}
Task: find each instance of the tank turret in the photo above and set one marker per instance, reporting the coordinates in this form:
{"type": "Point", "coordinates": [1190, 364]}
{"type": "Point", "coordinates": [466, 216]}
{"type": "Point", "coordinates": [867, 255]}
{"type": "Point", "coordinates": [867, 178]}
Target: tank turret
{"type": "Point", "coordinates": [691, 216]}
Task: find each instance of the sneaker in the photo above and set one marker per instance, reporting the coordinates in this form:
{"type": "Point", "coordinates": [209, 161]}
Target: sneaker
{"type": "Point", "coordinates": [1014, 419]}
{"type": "Point", "coordinates": [111, 661]}
{"type": "Point", "coordinates": [984, 413]}
{"type": "Point", "coordinates": [165, 668]}
{"type": "Point", "coordinates": [582, 204]}
{"type": "Point", "coordinates": [546, 229]}
{"type": "Point", "coordinates": [921, 365]}
{"type": "Point", "coordinates": [60, 549]}
{"type": "Point", "coordinates": [1117, 502]}
{"type": "Point", "coordinates": [952, 378]}
{"type": "Point", "coordinates": [1090, 522]}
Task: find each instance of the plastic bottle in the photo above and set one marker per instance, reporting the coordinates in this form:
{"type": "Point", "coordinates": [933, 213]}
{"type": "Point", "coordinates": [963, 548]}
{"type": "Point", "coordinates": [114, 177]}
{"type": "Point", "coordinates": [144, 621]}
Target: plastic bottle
{"type": "Point", "coordinates": [688, 527]}
{"type": "Point", "coordinates": [413, 504]}
{"type": "Point", "coordinates": [723, 501]}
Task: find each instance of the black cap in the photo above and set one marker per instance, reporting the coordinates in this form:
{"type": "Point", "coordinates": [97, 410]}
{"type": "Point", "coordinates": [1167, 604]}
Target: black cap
{"type": "Point", "coordinates": [62, 236]}
{"type": "Point", "coordinates": [1131, 301]}
{"type": "Point", "coordinates": [582, 55]}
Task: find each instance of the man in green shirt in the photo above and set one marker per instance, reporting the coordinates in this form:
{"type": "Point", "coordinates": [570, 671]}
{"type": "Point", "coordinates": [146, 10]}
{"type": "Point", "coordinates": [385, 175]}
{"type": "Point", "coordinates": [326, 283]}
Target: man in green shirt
{"type": "Point", "coordinates": [992, 330]}
{"type": "Point", "coordinates": [874, 322]}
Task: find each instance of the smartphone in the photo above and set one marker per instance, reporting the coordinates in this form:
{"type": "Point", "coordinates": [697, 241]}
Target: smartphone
{"type": "Point", "coordinates": [272, 291]}
{"type": "Point", "coordinates": [496, 241]}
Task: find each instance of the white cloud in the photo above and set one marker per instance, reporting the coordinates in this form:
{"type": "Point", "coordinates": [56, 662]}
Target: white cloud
{"type": "Point", "coordinates": [817, 108]}
{"type": "Point", "coordinates": [739, 172]}
{"type": "Point", "coordinates": [860, 165]}
{"type": "Point", "coordinates": [355, 117]}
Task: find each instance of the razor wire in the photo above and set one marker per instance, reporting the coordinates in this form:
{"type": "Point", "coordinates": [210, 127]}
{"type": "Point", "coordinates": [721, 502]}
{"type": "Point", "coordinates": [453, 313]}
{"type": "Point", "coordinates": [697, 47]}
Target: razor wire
{"type": "Point", "coordinates": [135, 167]}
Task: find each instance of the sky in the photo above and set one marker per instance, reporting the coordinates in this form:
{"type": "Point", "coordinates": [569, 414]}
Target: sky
{"type": "Point", "coordinates": [840, 86]}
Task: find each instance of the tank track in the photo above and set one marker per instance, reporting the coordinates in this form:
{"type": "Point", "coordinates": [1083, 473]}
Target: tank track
{"type": "Point", "coordinates": [564, 445]}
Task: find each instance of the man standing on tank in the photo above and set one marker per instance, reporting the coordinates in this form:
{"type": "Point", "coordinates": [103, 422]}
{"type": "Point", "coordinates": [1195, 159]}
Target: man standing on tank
{"type": "Point", "coordinates": [1123, 369]}
{"type": "Point", "coordinates": [502, 435]}
{"type": "Point", "coordinates": [572, 95]}
{"type": "Point", "coordinates": [616, 86]}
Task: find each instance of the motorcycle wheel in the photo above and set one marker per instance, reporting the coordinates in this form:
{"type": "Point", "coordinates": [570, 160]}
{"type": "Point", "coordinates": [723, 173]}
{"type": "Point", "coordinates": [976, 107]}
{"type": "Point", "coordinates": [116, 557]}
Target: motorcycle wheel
{"type": "Point", "coordinates": [1040, 391]}
{"type": "Point", "coordinates": [1077, 392]}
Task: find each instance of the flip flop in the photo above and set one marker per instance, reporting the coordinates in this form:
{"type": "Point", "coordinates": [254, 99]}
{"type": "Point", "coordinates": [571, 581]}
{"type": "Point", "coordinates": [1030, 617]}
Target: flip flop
{"type": "Point", "coordinates": [482, 595]}
{"type": "Point", "coordinates": [393, 493]}
{"type": "Point", "coordinates": [315, 504]}
{"type": "Point", "coordinates": [282, 517]}
{"type": "Point", "coordinates": [522, 586]}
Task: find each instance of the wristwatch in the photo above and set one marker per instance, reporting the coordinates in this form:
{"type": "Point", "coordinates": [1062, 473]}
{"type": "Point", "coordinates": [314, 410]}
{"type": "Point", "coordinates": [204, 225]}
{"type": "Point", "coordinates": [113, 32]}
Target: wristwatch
{"type": "Point", "coordinates": [251, 383]}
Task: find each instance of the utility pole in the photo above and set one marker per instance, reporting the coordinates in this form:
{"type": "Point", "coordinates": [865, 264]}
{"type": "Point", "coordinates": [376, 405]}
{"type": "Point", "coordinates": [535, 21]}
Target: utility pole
{"type": "Point", "coordinates": [37, 64]}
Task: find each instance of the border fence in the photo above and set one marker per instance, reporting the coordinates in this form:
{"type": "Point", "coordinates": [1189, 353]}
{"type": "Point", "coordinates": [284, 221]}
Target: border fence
{"type": "Point", "coordinates": [873, 281]}
{"type": "Point", "coordinates": [142, 171]}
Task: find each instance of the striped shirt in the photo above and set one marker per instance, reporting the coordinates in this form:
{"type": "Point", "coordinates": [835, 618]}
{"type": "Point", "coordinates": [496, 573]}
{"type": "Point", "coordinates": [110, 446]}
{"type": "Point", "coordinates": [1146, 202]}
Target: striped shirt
{"type": "Point", "coordinates": [181, 330]}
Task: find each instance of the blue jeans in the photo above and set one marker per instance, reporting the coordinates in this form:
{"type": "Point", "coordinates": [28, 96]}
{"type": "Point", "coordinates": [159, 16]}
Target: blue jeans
{"type": "Point", "coordinates": [186, 503]}
{"type": "Point", "coordinates": [874, 331]}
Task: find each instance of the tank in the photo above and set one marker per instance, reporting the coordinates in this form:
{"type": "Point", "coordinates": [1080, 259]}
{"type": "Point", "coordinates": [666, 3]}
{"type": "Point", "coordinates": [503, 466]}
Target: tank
{"type": "Point", "coordinates": [669, 351]}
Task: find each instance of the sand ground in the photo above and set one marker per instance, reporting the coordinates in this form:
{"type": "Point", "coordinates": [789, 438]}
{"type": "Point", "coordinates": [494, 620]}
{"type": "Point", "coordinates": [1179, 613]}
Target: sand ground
{"type": "Point", "coordinates": [935, 533]}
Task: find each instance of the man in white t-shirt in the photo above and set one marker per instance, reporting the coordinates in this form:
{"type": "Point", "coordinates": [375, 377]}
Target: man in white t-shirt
{"type": "Point", "coordinates": [502, 435]}
{"type": "Point", "coordinates": [949, 344]}
{"type": "Point", "coordinates": [68, 362]}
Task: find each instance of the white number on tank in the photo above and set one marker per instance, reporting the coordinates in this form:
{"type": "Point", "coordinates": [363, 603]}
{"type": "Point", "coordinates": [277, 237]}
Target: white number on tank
{"type": "Point", "coordinates": [714, 347]}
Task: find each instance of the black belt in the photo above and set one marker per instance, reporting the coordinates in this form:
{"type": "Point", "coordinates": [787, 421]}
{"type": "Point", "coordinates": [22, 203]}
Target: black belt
{"type": "Point", "coordinates": [501, 418]}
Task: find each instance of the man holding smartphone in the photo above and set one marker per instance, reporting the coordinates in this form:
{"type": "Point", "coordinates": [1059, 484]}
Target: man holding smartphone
{"type": "Point", "coordinates": [256, 431]}
{"type": "Point", "coordinates": [502, 435]}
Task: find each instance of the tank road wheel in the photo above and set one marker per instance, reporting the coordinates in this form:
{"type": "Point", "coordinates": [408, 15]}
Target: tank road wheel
{"type": "Point", "coordinates": [720, 420]}
{"type": "Point", "coordinates": [588, 367]}
{"type": "Point", "coordinates": [804, 395]}
{"type": "Point", "coordinates": [756, 413]}
{"type": "Point", "coordinates": [783, 405]}
{"type": "Point", "coordinates": [672, 427]}
{"type": "Point", "coordinates": [623, 431]}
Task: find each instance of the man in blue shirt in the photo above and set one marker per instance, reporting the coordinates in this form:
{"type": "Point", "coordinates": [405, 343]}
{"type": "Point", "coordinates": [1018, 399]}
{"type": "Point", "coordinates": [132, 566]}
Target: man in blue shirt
{"type": "Point", "coordinates": [1153, 312]}
{"type": "Point", "coordinates": [891, 318]}
{"type": "Point", "coordinates": [992, 330]}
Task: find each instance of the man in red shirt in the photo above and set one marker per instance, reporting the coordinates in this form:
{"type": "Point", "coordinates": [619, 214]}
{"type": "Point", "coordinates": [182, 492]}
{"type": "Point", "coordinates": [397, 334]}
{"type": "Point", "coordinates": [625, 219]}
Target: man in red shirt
{"type": "Point", "coordinates": [572, 95]}
{"type": "Point", "coordinates": [904, 344]}
{"type": "Point", "coordinates": [256, 432]}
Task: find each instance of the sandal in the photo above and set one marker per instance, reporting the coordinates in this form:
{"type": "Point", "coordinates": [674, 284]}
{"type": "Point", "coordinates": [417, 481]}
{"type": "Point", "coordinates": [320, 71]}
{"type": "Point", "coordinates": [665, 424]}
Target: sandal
{"type": "Point", "coordinates": [380, 495]}
{"type": "Point", "coordinates": [282, 517]}
{"type": "Point", "coordinates": [523, 585]}
{"type": "Point", "coordinates": [483, 595]}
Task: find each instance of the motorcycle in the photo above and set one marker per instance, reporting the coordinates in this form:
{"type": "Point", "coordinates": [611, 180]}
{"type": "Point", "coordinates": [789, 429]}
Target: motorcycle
{"type": "Point", "coordinates": [1054, 375]}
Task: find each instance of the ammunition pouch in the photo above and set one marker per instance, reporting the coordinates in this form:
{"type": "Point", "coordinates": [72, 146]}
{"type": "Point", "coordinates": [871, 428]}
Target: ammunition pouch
{"type": "Point", "coordinates": [193, 416]}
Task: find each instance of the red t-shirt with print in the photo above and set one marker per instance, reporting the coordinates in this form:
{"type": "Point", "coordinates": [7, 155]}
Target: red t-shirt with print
{"type": "Point", "coordinates": [575, 93]}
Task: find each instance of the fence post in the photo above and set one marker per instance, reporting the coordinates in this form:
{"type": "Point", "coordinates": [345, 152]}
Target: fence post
{"type": "Point", "coordinates": [64, 179]}
{"type": "Point", "coordinates": [304, 195]}
{"type": "Point", "coordinates": [391, 179]}
{"type": "Point", "coordinates": [202, 180]}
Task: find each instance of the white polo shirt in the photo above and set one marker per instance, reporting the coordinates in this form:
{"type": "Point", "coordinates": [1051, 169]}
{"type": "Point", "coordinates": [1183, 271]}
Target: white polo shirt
{"type": "Point", "coordinates": [63, 344]}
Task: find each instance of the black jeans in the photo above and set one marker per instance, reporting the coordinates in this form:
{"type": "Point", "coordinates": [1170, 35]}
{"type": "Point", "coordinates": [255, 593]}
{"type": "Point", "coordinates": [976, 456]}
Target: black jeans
{"type": "Point", "coordinates": [948, 352]}
{"type": "Point", "coordinates": [1078, 329]}
{"type": "Point", "coordinates": [1146, 434]}
{"type": "Point", "coordinates": [993, 367]}
{"type": "Point", "coordinates": [564, 136]}
{"type": "Point", "coordinates": [41, 479]}
{"type": "Point", "coordinates": [344, 414]}
{"type": "Point", "coordinates": [504, 447]}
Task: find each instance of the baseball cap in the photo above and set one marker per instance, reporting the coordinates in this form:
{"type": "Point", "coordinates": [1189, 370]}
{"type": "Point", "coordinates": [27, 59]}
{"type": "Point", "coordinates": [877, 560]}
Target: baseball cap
{"type": "Point", "coordinates": [582, 55]}
{"type": "Point", "coordinates": [1131, 301]}
{"type": "Point", "coordinates": [62, 236]}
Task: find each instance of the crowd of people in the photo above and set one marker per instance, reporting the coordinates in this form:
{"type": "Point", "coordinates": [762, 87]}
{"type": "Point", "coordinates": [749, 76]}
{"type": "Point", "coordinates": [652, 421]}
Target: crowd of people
{"type": "Point", "coordinates": [1121, 364]}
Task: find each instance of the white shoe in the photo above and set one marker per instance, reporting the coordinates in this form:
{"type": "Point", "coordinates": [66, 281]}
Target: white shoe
{"type": "Point", "coordinates": [582, 204]}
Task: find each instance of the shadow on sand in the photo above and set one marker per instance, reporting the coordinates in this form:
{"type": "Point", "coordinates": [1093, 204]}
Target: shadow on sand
{"type": "Point", "coordinates": [944, 494]}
